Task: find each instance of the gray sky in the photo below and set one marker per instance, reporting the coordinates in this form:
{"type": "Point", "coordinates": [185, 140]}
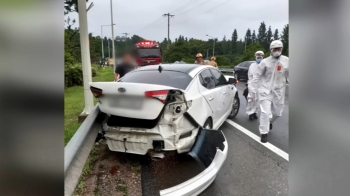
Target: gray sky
{"type": "Point", "coordinates": [213, 17]}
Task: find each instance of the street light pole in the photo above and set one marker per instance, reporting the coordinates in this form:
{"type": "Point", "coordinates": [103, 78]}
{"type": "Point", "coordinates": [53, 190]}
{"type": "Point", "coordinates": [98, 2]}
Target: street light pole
{"type": "Point", "coordinates": [109, 50]}
{"type": "Point", "coordinates": [103, 54]}
{"type": "Point", "coordinates": [214, 38]}
{"type": "Point", "coordinates": [113, 51]}
{"type": "Point", "coordinates": [214, 47]}
{"type": "Point", "coordinates": [85, 59]}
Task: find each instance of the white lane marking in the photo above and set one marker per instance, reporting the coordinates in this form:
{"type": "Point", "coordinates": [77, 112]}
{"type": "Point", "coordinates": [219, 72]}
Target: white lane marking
{"type": "Point", "coordinates": [257, 138]}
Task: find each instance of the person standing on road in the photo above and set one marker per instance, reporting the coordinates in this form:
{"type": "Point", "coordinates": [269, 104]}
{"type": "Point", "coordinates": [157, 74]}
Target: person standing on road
{"type": "Point", "coordinates": [213, 63]}
{"type": "Point", "coordinates": [125, 67]}
{"type": "Point", "coordinates": [269, 80]}
{"type": "Point", "coordinates": [199, 58]}
{"type": "Point", "coordinates": [253, 104]}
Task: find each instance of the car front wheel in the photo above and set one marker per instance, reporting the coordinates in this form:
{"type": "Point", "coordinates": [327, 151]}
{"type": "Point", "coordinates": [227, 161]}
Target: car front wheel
{"type": "Point", "coordinates": [235, 107]}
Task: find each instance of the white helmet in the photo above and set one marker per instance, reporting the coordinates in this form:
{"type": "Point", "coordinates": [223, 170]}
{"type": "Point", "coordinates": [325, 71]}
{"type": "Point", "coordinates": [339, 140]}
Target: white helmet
{"type": "Point", "coordinates": [276, 44]}
{"type": "Point", "coordinates": [259, 53]}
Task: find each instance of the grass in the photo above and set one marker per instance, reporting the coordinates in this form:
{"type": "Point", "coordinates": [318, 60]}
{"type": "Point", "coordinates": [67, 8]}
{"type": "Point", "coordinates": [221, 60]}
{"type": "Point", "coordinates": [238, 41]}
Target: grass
{"type": "Point", "coordinates": [90, 162]}
{"type": "Point", "coordinates": [74, 103]}
{"type": "Point", "coordinates": [122, 188]}
{"type": "Point", "coordinates": [136, 169]}
{"type": "Point", "coordinates": [81, 187]}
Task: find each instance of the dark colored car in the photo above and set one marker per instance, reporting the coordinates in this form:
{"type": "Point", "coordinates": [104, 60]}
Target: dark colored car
{"type": "Point", "coordinates": [241, 70]}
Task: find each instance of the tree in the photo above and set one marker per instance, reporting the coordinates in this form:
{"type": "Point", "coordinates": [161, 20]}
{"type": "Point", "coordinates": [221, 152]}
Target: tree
{"type": "Point", "coordinates": [248, 55]}
{"type": "Point", "coordinates": [261, 38]}
{"type": "Point", "coordinates": [285, 40]}
{"type": "Point", "coordinates": [253, 37]}
{"type": "Point", "coordinates": [234, 41]}
{"type": "Point", "coordinates": [248, 37]}
{"type": "Point", "coordinates": [72, 6]}
{"type": "Point", "coordinates": [276, 35]}
{"type": "Point", "coordinates": [268, 38]}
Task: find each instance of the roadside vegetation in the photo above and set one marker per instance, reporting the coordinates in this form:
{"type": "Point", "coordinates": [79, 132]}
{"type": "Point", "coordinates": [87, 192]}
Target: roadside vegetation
{"type": "Point", "coordinates": [74, 99]}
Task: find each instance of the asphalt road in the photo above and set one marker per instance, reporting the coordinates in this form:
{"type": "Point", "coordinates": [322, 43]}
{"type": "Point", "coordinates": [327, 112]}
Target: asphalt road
{"type": "Point", "coordinates": [251, 168]}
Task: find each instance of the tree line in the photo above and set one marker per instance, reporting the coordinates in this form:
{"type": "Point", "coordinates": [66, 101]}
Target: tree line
{"type": "Point", "coordinates": [230, 51]}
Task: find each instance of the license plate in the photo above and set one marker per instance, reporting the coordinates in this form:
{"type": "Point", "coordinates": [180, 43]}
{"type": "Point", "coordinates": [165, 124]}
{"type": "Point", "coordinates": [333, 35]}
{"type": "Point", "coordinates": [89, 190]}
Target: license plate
{"type": "Point", "coordinates": [126, 102]}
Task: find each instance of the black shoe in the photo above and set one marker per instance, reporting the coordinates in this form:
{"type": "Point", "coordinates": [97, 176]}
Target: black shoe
{"type": "Point", "coordinates": [255, 116]}
{"type": "Point", "coordinates": [251, 117]}
{"type": "Point", "coordinates": [263, 138]}
{"type": "Point", "coordinates": [270, 126]}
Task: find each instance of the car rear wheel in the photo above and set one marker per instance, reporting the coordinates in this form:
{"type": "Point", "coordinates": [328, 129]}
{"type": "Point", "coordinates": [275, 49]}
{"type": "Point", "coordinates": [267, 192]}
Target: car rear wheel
{"type": "Point", "coordinates": [208, 124]}
{"type": "Point", "coordinates": [235, 107]}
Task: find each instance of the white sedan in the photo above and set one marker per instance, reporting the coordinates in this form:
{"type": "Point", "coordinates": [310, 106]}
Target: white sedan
{"type": "Point", "coordinates": [162, 108]}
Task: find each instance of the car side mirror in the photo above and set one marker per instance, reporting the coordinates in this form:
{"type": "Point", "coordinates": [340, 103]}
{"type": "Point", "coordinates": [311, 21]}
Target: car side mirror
{"type": "Point", "coordinates": [232, 81]}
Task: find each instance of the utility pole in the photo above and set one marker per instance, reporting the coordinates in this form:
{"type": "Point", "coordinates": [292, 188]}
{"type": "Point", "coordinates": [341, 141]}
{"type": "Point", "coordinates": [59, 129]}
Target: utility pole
{"type": "Point", "coordinates": [168, 15]}
{"type": "Point", "coordinates": [207, 55]}
{"type": "Point", "coordinates": [113, 51]}
{"type": "Point", "coordinates": [245, 43]}
{"type": "Point", "coordinates": [126, 39]}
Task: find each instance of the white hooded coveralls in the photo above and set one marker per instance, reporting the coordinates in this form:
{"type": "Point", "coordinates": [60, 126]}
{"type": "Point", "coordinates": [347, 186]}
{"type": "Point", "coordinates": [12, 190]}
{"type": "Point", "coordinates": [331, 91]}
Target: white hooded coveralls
{"type": "Point", "coordinates": [269, 82]}
{"type": "Point", "coordinates": [253, 101]}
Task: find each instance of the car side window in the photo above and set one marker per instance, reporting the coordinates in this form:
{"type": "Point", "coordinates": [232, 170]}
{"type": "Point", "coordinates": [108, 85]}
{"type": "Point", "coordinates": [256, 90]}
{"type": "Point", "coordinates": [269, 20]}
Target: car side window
{"type": "Point", "coordinates": [219, 78]}
{"type": "Point", "coordinates": [207, 79]}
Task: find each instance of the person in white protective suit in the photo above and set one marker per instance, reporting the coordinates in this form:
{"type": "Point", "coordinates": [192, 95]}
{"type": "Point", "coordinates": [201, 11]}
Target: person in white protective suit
{"type": "Point", "coordinates": [269, 83]}
{"type": "Point", "coordinates": [253, 104]}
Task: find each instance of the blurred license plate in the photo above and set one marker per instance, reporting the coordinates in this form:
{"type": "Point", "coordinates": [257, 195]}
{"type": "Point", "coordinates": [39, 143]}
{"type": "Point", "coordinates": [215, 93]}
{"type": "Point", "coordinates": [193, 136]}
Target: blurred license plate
{"type": "Point", "coordinates": [126, 102]}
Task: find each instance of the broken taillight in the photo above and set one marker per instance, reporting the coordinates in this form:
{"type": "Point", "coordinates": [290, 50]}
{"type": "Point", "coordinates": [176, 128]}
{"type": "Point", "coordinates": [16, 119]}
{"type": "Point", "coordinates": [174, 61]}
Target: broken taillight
{"type": "Point", "coordinates": [160, 95]}
{"type": "Point", "coordinates": [96, 92]}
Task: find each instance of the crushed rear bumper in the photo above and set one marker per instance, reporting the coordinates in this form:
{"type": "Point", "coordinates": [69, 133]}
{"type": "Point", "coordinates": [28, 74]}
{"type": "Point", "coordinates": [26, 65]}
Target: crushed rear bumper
{"type": "Point", "coordinates": [210, 150]}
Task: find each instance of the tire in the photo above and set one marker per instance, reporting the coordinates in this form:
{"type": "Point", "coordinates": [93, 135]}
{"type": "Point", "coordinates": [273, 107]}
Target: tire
{"type": "Point", "coordinates": [235, 107]}
{"type": "Point", "coordinates": [208, 124]}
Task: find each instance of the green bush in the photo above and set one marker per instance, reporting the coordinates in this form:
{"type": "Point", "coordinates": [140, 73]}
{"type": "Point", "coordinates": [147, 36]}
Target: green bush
{"type": "Point", "coordinates": [222, 61]}
{"type": "Point", "coordinates": [73, 75]}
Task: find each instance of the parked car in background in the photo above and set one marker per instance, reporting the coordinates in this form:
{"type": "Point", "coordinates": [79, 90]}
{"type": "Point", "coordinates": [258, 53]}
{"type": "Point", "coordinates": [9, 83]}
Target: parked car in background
{"type": "Point", "coordinates": [241, 70]}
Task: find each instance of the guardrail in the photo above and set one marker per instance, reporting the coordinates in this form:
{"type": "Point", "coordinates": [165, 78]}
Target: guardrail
{"type": "Point", "coordinates": [77, 151]}
{"type": "Point", "coordinates": [227, 71]}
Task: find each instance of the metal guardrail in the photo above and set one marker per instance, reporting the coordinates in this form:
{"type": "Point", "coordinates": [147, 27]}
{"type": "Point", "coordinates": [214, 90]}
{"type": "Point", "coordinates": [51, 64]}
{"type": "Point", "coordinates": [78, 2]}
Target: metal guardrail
{"type": "Point", "coordinates": [227, 71]}
{"type": "Point", "coordinates": [77, 151]}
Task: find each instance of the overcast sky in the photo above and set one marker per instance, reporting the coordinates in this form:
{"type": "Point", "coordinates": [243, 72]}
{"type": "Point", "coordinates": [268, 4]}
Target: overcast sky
{"type": "Point", "coordinates": [196, 19]}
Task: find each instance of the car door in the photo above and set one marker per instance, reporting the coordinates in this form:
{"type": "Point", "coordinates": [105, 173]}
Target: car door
{"type": "Point", "coordinates": [211, 93]}
{"type": "Point", "coordinates": [225, 93]}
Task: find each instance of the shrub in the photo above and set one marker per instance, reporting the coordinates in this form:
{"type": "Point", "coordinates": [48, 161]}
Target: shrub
{"type": "Point", "coordinates": [222, 61]}
{"type": "Point", "coordinates": [73, 75]}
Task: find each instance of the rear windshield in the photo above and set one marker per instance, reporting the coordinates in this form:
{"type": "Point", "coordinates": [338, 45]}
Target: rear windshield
{"type": "Point", "coordinates": [168, 78]}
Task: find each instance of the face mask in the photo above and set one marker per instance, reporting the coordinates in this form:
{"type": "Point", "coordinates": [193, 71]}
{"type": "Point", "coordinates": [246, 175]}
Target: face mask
{"type": "Point", "coordinates": [258, 60]}
{"type": "Point", "coordinates": [276, 54]}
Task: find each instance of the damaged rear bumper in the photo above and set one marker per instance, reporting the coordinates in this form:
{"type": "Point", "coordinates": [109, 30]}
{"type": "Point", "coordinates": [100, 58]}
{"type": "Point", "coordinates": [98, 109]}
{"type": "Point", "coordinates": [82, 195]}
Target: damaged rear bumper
{"type": "Point", "coordinates": [210, 150]}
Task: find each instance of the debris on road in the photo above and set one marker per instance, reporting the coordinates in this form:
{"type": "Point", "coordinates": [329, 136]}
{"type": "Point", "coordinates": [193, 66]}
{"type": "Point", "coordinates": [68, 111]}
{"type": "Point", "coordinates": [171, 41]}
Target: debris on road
{"type": "Point", "coordinates": [110, 173]}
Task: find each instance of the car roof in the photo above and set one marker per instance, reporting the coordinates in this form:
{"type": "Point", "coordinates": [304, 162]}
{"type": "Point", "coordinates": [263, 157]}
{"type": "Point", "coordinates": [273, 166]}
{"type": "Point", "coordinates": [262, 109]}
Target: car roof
{"type": "Point", "coordinates": [185, 68]}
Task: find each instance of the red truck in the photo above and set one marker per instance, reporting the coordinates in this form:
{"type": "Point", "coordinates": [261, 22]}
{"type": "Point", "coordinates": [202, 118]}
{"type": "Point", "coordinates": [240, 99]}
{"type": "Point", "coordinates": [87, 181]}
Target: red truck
{"type": "Point", "coordinates": [148, 53]}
